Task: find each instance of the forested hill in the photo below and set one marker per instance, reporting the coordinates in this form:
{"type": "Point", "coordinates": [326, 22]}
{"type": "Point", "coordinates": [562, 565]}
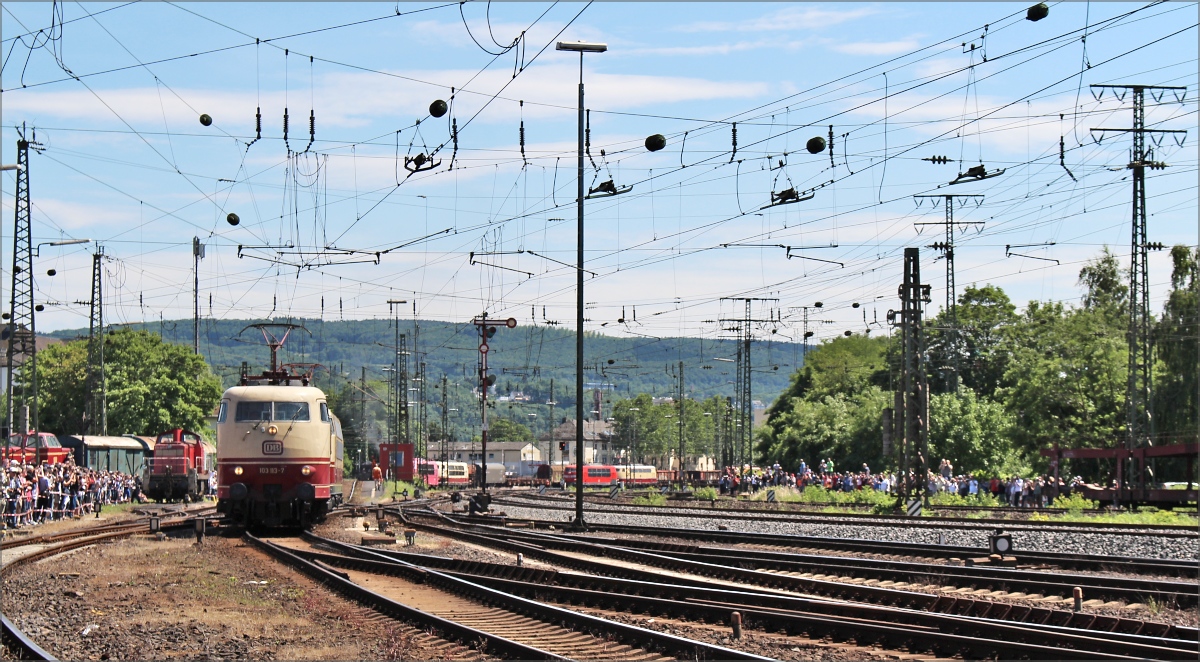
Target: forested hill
{"type": "Point", "coordinates": [523, 359]}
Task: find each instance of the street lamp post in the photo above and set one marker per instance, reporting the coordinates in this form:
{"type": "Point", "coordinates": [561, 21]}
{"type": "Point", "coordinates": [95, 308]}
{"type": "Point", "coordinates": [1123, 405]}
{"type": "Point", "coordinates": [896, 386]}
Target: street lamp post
{"type": "Point", "coordinates": [580, 47]}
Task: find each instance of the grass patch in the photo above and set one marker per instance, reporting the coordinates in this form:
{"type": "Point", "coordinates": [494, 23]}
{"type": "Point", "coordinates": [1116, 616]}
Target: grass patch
{"type": "Point", "coordinates": [706, 493]}
{"type": "Point", "coordinates": [1075, 503]}
{"type": "Point", "coordinates": [820, 495]}
{"type": "Point", "coordinates": [1152, 518]}
{"type": "Point", "coordinates": [113, 508]}
{"type": "Point", "coordinates": [650, 499]}
{"type": "Point", "coordinates": [982, 499]}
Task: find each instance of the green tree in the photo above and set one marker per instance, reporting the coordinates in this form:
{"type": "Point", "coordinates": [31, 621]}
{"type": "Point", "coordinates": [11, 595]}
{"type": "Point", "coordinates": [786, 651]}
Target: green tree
{"type": "Point", "coordinates": [845, 427]}
{"type": "Point", "coordinates": [502, 429]}
{"type": "Point", "coordinates": [985, 317]}
{"type": "Point", "coordinates": [1175, 340]}
{"type": "Point", "coordinates": [972, 432]}
{"type": "Point", "coordinates": [832, 408]}
{"type": "Point", "coordinates": [1067, 378]}
{"type": "Point", "coordinates": [152, 385]}
{"type": "Point", "coordinates": [1104, 285]}
{"type": "Point", "coordinates": [62, 387]}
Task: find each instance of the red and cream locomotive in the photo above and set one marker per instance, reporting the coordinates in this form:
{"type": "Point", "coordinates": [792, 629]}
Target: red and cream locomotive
{"type": "Point", "coordinates": [279, 448]}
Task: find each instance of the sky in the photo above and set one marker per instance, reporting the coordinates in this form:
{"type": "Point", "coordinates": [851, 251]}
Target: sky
{"type": "Point", "coordinates": [380, 204]}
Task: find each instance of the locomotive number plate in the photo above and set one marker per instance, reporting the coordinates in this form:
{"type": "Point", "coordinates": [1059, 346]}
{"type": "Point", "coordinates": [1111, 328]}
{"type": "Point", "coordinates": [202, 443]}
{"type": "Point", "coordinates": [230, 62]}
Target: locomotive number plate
{"type": "Point", "coordinates": [272, 447]}
{"type": "Point", "coordinates": [270, 470]}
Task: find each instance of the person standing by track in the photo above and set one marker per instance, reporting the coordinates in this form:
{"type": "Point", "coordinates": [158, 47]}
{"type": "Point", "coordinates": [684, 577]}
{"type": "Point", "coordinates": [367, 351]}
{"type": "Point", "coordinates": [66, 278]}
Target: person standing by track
{"type": "Point", "coordinates": [376, 477]}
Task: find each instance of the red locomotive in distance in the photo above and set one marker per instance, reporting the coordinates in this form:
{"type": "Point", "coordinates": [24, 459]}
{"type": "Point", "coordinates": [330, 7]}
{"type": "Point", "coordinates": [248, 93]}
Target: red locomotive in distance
{"type": "Point", "coordinates": [181, 467]}
{"type": "Point", "coordinates": [35, 448]}
{"type": "Point", "coordinates": [594, 475]}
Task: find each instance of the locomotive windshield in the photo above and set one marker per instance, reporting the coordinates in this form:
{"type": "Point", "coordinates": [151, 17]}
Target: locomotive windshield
{"type": "Point", "coordinates": [291, 411]}
{"type": "Point", "coordinates": [36, 441]}
{"type": "Point", "coordinates": [253, 412]}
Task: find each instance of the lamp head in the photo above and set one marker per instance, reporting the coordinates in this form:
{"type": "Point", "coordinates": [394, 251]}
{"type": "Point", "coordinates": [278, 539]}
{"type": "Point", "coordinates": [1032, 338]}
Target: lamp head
{"type": "Point", "coordinates": [581, 47]}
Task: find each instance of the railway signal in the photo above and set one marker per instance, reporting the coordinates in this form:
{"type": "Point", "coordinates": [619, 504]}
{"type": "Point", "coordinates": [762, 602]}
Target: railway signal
{"type": "Point", "coordinates": [487, 329]}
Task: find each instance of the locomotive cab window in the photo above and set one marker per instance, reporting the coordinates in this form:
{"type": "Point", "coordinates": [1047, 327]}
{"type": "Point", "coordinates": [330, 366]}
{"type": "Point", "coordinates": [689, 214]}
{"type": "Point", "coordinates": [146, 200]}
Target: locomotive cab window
{"type": "Point", "coordinates": [223, 411]}
{"type": "Point", "coordinates": [291, 411]}
{"type": "Point", "coordinates": [253, 412]}
{"type": "Point", "coordinates": [325, 418]}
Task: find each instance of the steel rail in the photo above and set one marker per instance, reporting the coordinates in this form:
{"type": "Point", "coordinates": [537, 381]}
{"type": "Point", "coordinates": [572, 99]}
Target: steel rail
{"type": "Point", "coordinates": [13, 636]}
{"type": "Point", "coordinates": [399, 611]}
{"type": "Point", "coordinates": [18, 642]}
{"type": "Point", "coordinates": [1134, 565]}
{"type": "Point", "coordinates": [976, 577]}
{"type": "Point", "coordinates": [631, 635]}
{"type": "Point", "coordinates": [517, 578]}
{"type": "Point", "coordinates": [136, 524]}
{"type": "Point", "coordinates": [943, 634]}
{"type": "Point", "coordinates": [865, 519]}
{"type": "Point", "coordinates": [962, 605]}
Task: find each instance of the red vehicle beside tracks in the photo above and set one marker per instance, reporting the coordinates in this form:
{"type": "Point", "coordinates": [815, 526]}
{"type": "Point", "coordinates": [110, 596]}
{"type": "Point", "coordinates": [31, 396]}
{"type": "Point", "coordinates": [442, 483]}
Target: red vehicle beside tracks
{"type": "Point", "coordinates": [594, 475]}
{"type": "Point", "coordinates": [35, 448]}
{"type": "Point", "coordinates": [181, 467]}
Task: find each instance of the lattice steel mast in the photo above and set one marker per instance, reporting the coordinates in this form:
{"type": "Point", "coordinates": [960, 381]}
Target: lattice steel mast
{"type": "Point", "coordinates": [97, 404]}
{"type": "Point", "coordinates": [21, 389]}
{"type": "Point", "coordinates": [743, 451]}
{"type": "Point", "coordinates": [1139, 386]}
{"type": "Point", "coordinates": [912, 403]}
{"type": "Point", "coordinates": [947, 249]}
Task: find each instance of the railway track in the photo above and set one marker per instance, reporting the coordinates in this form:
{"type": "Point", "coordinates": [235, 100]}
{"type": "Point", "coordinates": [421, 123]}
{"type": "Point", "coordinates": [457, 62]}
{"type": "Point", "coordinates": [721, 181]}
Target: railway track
{"type": "Point", "coordinates": [1009, 513]}
{"type": "Point", "coordinates": [507, 625]}
{"type": "Point", "coordinates": [939, 634]}
{"type": "Point", "coordinates": [1184, 568]}
{"type": "Point", "coordinates": [1047, 560]}
{"type": "Point", "coordinates": [615, 561]}
{"type": "Point", "coordinates": [901, 574]}
{"type": "Point", "coordinates": [134, 526]}
{"type": "Point", "coordinates": [768, 513]}
{"type": "Point", "coordinates": [59, 543]}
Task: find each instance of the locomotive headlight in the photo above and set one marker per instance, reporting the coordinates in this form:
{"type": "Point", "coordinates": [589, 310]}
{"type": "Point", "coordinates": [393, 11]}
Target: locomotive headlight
{"type": "Point", "coordinates": [237, 471]}
{"type": "Point", "coordinates": [306, 470]}
{"type": "Point", "coordinates": [272, 429]}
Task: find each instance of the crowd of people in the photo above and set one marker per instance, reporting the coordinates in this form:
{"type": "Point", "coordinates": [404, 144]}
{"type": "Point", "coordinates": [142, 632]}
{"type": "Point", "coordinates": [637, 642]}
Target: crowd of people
{"type": "Point", "coordinates": [1015, 491]}
{"type": "Point", "coordinates": [34, 494]}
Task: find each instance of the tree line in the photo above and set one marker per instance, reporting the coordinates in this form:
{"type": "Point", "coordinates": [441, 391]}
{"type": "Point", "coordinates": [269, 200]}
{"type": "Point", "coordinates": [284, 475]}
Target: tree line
{"type": "Point", "coordinates": [1053, 374]}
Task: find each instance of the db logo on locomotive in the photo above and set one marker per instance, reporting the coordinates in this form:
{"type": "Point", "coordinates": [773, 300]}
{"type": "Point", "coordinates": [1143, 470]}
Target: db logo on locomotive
{"type": "Point", "coordinates": [272, 448]}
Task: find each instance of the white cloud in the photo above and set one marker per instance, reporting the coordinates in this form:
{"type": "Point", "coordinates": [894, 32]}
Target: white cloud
{"type": "Point", "coordinates": [877, 48]}
{"type": "Point", "coordinates": [791, 18]}
{"type": "Point", "coordinates": [715, 49]}
{"type": "Point", "coordinates": [354, 100]}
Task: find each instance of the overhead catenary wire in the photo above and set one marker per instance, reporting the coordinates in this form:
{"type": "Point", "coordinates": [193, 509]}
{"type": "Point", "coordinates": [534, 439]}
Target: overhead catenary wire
{"type": "Point", "coordinates": [543, 209]}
